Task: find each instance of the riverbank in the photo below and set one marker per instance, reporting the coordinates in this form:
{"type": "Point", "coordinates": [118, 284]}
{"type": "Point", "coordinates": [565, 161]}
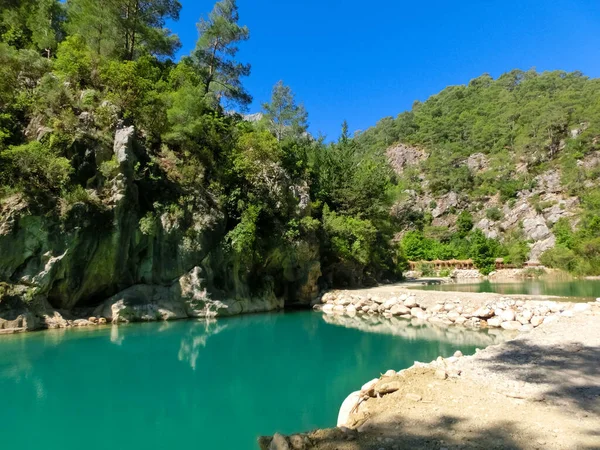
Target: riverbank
{"type": "Point", "coordinates": [540, 390]}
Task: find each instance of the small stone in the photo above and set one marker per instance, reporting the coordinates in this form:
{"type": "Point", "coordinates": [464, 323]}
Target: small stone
{"type": "Point", "coordinates": [511, 325]}
{"type": "Point", "coordinates": [414, 397]}
{"type": "Point", "coordinates": [417, 312]}
{"type": "Point", "coordinates": [369, 385]}
{"type": "Point", "coordinates": [297, 442]}
{"type": "Point", "coordinates": [351, 309]}
{"type": "Point", "coordinates": [554, 307]}
{"type": "Point", "coordinates": [449, 307]}
{"type": "Point", "coordinates": [436, 308]}
{"type": "Point", "coordinates": [344, 301]}
{"type": "Point", "coordinates": [483, 313]}
{"type": "Point", "coordinates": [411, 302]}
{"type": "Point", "coordinates": [460, 320]}
{"type": "Point", "coordinates": [398, 310]}
{"type": "Point", "coordinates": [508, 316]}
{"type": "Point", "coordinates": [458, 354]}
{"type": "Point", "coordinates": [93, 319]}
{"type": "Point", "coordinates": [391, 302]}
{"type": "Point", "coordinates": [390, 373]}
{"type": "Point", "coordinates": [453, 315]}
{"type": "Point", "coordinates": [279, 442]}
{"type": "Point", "coordinates": [102, 321]}
{"type": "Point", "coordinates": [581, 307]}
{"type": "Point", "coordinates": [387, 388]}
{"type": "Point", "coordinates": [441, 374]}
{"type": "Point", "coordinates": [494, 322]}
{"type": "Point", "coordinates": [536, 321]}
{"type": "Point", "coordinates": [328, 308]}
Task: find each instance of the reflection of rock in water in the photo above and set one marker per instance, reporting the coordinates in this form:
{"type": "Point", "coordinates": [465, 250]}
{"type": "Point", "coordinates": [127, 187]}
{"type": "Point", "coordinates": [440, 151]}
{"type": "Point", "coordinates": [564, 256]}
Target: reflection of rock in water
{"type": "Point", "coordinates": [196, 339]}
{"type": "Point", "coordinates": [420, 330]}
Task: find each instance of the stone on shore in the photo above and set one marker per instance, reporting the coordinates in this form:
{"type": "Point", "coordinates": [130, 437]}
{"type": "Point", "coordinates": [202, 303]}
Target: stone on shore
{"type": "Point", "coordinates": [279, 442]}
{"type": "Point", "coordinates": [536, 321]}
{"type": "Point", "coordinates": [508, 316]}
{"type": "Point", "coordinates": [347, 407]}
{"type": "Point", "coordinates": [398, 310]}
{"type": "Point", "coordinates": [494, 322]}
{"type": "Point", "coordinates": [512, 325]}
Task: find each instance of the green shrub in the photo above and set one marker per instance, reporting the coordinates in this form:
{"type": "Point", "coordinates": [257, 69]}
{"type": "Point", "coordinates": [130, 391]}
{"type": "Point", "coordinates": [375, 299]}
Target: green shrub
{"type": "Point", "coordinates": [426, 270]}
{"type": "Point", "coordinates": [494, 214]}
{"type": "Point", "coordinates": [351, 239]}
{"type": "Point", "coordinates": [559, 257]}
{"type": "Point", "coordinates": [34, 169]}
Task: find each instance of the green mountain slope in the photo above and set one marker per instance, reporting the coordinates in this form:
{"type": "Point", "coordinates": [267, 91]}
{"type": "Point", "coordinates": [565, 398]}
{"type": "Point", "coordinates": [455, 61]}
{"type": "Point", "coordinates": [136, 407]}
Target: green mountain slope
{"type": "Point", "coordinates": [519, 154]}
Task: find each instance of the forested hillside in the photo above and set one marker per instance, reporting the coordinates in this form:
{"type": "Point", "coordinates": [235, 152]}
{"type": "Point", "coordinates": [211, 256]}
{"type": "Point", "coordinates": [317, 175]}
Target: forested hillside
{"type": "Point", "coordinates": [122, 167]}
{"type": "Point", "coordinates": [516, 157]}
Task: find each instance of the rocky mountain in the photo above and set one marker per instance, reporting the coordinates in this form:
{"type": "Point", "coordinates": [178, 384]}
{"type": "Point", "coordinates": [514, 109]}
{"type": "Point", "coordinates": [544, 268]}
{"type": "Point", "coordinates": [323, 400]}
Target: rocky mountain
{"type": "Point", "coordinates": [517, 157]}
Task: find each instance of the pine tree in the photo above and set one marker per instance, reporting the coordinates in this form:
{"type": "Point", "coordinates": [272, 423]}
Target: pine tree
{"type": "Point", "coordinates": [125, 28]}
{"type": "Point", "coordinates": [215, 52]}
{"type": "Point", "coordinates": [284, 116]}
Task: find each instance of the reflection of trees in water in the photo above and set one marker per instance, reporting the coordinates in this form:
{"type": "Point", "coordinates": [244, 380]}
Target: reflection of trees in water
{"type": "Point", "coordinates": [419, 330]}
{"type": "Point", "coordinates": [196, 339]}
{"type": "Point", "coordinates": [22, 368]}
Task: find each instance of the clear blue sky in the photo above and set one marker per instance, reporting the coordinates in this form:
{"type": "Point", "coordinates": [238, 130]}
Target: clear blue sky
{"type": "Point", "coordinates": [365, 60]}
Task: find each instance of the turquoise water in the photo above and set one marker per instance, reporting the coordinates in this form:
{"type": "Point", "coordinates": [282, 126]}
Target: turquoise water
{"type": "Point", "coordinates": [585, 289]}
{"type": "Point", "coordinates": [190, 384]}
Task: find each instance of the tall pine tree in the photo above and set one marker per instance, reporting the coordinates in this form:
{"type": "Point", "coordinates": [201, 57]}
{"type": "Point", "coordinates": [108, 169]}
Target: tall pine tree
{"type": "Point", "coordinates": [214, 56]}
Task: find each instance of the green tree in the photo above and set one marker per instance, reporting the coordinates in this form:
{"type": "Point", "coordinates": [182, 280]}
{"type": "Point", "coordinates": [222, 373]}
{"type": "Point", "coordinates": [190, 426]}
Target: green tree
{"type": "Point", "coordinates": [97, 23]}
{"type": "Point", "coordinates": [125, 28]}
{"type": "Point", "coordinates": [464, 223]}
{"type": "Point", "coordinates": [36, 24]}
{"type": "Point", "coordinates": [214, 56]}
{"type": "Point", "coordinates": [284, 117]}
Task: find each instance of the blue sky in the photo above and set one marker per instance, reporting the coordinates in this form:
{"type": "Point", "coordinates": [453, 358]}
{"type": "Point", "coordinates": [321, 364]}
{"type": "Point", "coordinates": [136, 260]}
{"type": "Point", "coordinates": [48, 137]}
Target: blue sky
{"type": "Point", "coordinates": [365, 60]}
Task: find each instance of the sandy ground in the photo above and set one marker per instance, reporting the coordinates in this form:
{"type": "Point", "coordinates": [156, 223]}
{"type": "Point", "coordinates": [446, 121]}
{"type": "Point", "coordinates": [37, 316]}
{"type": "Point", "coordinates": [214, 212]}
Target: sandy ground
{"type": "Point", "coordinates": [538, 391]}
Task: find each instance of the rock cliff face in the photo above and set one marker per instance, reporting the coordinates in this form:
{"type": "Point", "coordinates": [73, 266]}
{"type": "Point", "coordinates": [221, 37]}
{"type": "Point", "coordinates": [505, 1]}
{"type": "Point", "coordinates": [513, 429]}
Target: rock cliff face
{"type": "Point", "coordinates": [95, 259]}
{"type": "Point", "coordinates": [532, 212]}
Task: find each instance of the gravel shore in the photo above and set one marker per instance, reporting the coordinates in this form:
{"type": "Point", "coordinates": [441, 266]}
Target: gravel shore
{"type": "Point", "coordinates": [540, 390]}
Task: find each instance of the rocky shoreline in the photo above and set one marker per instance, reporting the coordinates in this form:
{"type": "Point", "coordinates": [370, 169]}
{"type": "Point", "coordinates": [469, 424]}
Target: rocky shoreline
{"type": "Point", "coordinates": [514, 313]}
{"type": "Point", "coordinates": [185, 299]}
{"type": "Point", "coordinates": [543, 384]}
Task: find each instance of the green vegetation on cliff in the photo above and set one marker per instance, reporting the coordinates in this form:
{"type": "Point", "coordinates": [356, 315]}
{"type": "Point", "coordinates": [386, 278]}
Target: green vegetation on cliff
{"type": "Point", "coordinates": [75, 76]}
{"type": "Point", "coordinates": [496, 144]}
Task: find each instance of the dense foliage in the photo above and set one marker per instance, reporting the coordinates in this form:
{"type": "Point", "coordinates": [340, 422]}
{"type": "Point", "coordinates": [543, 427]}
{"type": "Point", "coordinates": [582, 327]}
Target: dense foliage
{"type": "Point", "coordinates": [72, 73]}
{"type": "Point", "coordinates": [523, 119]}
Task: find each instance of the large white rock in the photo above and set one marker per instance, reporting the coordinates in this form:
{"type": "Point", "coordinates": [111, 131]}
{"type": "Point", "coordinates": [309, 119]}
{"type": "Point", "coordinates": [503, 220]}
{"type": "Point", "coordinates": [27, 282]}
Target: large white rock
{"type": "Point", "coordinates": [328, 308]}
{"type": "Point", "coordinates": [397, 310]}
{"type": "Point", "coordinates": [411, 302]}
{"type": "Point", "coordinates": [391, 302]}
{"type": "Point", "coordinates": [483, 313]}
{"type": "Point", "coordinates": [508, 315]}
{"type": "Point", "coordinates": [494, 322]}
{"type": "Point", "coordinates": [417, 312]}
{"type": "Point", "coordinates": [511, 325]}
{"type": "Point", "coordinates": [347, 407]}
{"type": "Point", "coordinates": [581, 307]}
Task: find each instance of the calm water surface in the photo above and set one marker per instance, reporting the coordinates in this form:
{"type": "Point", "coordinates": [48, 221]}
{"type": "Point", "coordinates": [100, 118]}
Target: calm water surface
{"type": "Point", "coordinates": [584, 289]}
{"type": "Point", "coordinates": [190, 384]}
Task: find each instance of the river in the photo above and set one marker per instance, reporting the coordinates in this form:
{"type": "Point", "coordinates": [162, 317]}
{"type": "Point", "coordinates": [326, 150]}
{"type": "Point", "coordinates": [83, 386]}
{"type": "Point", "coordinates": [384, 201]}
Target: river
{"type": "Point", "coordinates": [579, 290]}
{"type": "Point", "coordinates": [191, 384]}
